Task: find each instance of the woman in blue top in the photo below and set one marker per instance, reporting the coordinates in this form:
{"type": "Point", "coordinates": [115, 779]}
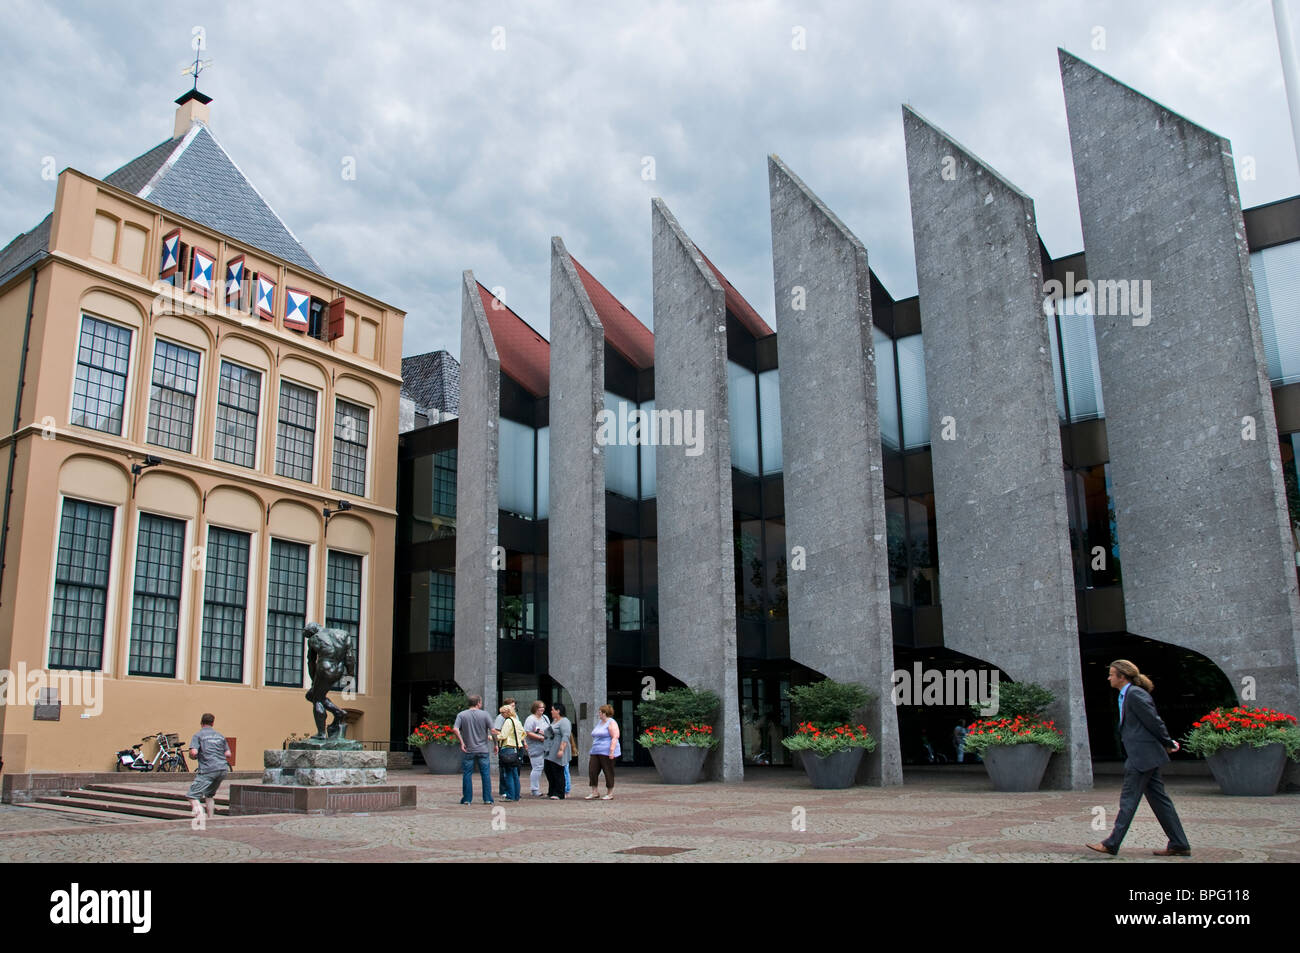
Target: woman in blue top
{"type": "Point", "coordinates": [604, 749]}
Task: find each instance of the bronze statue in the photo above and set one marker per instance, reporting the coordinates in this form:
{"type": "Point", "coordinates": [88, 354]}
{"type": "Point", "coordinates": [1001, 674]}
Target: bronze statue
{"type": "Point", "coordinates": [330, 657]}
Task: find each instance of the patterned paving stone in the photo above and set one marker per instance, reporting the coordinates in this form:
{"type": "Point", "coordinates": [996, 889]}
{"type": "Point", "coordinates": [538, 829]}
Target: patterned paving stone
{"type": "Point", "coordinates": [931, 819]}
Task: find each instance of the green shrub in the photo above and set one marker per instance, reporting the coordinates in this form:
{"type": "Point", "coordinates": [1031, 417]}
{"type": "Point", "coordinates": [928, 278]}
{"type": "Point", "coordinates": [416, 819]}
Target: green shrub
{"type": "Point", "coordinates": [1019, 698]}
{"type": "Point", "coordinates": [679, 708]}
{"type": "Point", "coordinates": [442, 709]}
{"type": "Point", "coordinates": [828, 702]}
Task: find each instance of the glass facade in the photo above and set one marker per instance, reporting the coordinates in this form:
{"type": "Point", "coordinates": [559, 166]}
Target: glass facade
{"type": "Point", "coordinates": [286, 612]}
{"type": "Point", "coordinates": [295, 446]}
{"type": "Point", "coordinates": [172, 396]}
{"type": "Point", "coordinates": [103, 360]}
{"type": "Point", "coordinates": [351, 438]}
{"type": "Point", "coordinates": [522, 600]}
{"type": "Point", "coordinates": [1073, 336]}
{"type": "Point", "coordinates": [621, 458]}
{"type": "Point", "coordinates": [156, 603]}
{"type": "Point", "coordinates": [442, 611]}
{"type": "Point", "coordinates": [1291, 480]}
{"type": "Point", "coordinates": [239, 395]}
{"type": "Point", "coordinates": [225, 605]}
{"type": "Point", "coordinates": [891, 433]}
{"type": "Point", "coordinates": [1276, 271]}
{"type": "Point", "coordinates": [444, 483]}
{"type": "Point", "coordinates": [516, 468]}
{"type": "Point", "coordinates": [910, 357]}
{"type": "Point", "coordinates": [81, 585]}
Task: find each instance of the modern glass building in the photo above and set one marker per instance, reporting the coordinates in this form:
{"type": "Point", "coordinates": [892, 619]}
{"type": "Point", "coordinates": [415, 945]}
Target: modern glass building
{"type": "Point", "coordinates": [633, 647]}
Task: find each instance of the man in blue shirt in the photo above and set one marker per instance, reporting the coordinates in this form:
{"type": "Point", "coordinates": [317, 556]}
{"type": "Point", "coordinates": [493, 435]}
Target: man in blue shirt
{"type": "Point", "coordinates": [1147, 745]}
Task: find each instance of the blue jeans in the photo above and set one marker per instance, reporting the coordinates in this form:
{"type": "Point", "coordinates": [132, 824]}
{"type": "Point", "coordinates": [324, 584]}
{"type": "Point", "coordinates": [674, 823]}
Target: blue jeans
{"type": "Point", "coordinates": [568, 784]}
{"type": "Point", "coordinates": [467, 764]}
{"type": "Point", "coordinates": [509, 782]}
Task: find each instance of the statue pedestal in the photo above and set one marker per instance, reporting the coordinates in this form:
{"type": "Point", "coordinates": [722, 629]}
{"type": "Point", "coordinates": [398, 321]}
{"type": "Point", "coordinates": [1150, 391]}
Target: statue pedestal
{"type": "Point", "coordinates": [325, 763]}
{"type": "Point", "coordinates": [322, 777]}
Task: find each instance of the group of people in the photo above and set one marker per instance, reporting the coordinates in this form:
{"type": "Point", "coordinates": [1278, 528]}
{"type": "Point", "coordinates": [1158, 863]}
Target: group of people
{"type": "Point", "coordinates": [544, 742]}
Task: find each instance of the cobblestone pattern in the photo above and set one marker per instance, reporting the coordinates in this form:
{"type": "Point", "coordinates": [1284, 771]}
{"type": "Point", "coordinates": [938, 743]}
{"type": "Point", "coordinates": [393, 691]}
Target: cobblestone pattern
{"type": "Point", "coordinates": [774, 816]}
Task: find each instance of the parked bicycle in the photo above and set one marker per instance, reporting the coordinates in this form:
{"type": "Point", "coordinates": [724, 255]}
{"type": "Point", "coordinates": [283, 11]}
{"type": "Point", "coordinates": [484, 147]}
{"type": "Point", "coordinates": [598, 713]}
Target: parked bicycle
{"type": "Point", "coordinates": [170, 755]}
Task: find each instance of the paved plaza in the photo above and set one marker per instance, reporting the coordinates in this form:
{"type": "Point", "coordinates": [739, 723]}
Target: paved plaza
{"type": "Point", "coordinates": [935, 817]}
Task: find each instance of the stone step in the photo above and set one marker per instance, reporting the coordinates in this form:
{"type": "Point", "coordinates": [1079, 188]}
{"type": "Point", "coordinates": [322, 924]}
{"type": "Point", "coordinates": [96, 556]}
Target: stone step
{"type": "Point", "coordinates": [134, 791]}
{"type": "Point", "coordinates": [82, 814]}
{"type": "Point", "coordinates": [163, 801]}
{"type": "Point", "coordinates": [158, 813]}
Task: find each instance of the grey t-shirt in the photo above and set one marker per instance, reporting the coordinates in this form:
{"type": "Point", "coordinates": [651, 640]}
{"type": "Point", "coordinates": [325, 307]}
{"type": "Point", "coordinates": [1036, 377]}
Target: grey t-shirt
{"type": "Point", "coordinates": [559, 733]}
{"type": "Point", "coordinates": [211, 746]}
{"type": "Point", "coordinates": [475, 727]}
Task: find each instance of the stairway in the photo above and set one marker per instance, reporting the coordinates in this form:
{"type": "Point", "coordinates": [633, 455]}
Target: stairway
{"type": "Point", "coordinates": [123, 802]}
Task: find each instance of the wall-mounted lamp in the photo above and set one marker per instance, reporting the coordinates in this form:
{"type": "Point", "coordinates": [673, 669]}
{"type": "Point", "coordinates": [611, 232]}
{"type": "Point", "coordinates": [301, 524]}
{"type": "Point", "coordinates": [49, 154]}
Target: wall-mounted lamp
{"type": "Point", "coordinates": [137, 468]}
{"type": "Point", "coordinates": [343, 505]}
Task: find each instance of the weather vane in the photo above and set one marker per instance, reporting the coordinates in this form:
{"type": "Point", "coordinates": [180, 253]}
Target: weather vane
{"type": "Point", "coordinates": [198, 66]}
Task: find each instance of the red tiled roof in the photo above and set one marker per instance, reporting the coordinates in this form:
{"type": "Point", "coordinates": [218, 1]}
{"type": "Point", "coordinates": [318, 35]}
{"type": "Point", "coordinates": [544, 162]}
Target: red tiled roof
{"type": "Point", "coordinates": [525, 355]}
{"type": "Point", "coordinates": [738, 306]}
{"type": "Point", "coordinates": [623, 331]}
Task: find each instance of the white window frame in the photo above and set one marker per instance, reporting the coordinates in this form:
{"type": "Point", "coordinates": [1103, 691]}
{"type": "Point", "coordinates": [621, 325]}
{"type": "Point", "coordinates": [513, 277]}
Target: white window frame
{"type": "Point", "coordinates": [197, 423]}
{"type": "Point", "coordinates": [131, 370]}
{"type": "Point", "coordinates": [316, 436]}
{"type": "Point", "coordinates": [262, 396]}
{"type": "Point", "coordinates": [251, 603]}
{"type": "Point", "coordinates": [107, 655]}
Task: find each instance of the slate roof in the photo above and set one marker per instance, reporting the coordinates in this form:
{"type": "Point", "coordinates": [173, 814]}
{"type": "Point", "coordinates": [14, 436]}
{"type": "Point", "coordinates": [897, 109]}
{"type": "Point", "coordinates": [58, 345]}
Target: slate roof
{"type": "Point", "coordinates": [193, 177]}
{"type": "Point", "coordinates": [623, 331]}
{"type": "Point", "coordinates": [25, 250]}
{"type": "Point", "coordinates": [525, 355]}
{"type": "Point", "coordinates": [432, 381]}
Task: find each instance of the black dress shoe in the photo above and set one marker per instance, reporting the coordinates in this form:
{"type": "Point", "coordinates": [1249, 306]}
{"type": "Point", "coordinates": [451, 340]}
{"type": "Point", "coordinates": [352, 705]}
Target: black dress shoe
{"type": "Point", "coordinates": [1173, 852]}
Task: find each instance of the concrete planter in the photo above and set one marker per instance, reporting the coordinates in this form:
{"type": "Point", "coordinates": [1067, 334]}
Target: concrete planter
{"type": "Point", "coordinates": [442, 759]}
{"type": "Point", "coordinates": [679, 764]}
{"type": "Point", "coordinates": [834, 770]}
{"type": "Point", "coordinates": [1247, 771]}
{"type": "Point", "coordinates": [1016, 767]}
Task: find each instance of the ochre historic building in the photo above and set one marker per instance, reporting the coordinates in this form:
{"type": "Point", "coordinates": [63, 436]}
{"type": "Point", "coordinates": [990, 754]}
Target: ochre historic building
{"type": "Point", "coordinates": [200, 453]}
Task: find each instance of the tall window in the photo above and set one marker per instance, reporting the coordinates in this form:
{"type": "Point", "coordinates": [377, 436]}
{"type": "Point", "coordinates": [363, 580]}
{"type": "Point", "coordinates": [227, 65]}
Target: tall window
{"type": "Point", "coordinates": [295, 445]}
{"type": "Point", "coordinates": [172, 397]}
{"type": "Point", "coordinates": [238, 402]}
{"type": "Point", "coordinates": [156, 608]}
{"type": "Point", "coordinates": [444, 482]}
{"type": "Point", "coordinates": [286, 613]}
{"type": "Point", "coordinates": [442, 611]}
{"type": "Point", "coordinates": [343, 598]}
{"type": "Point", "coordinates": [103, 359]}
{"type": "Point", "coordinates": [351, 435]}
{"type": "Point", "coordinates": [81, 585]}
{"type": "Point", "coordinates": [225, 605]}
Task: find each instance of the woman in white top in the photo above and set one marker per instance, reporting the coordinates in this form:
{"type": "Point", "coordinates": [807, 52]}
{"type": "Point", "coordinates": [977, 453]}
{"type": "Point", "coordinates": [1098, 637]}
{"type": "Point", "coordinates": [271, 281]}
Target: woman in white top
{"type": "Point", "coordinates": [535, 729]}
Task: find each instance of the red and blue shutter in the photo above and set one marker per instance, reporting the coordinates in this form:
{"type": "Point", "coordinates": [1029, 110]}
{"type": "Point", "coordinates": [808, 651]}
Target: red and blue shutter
{"type": "Point", "coordinates": [234, 280]}
{"type": "Point", "coordinates": [336, 318]}
{"type": "Point", "coordinates": [265, 301]}
{"type": "Point", "coordinates": [202, 272]}
{"type": "Point", "coordinates": [171, 253]}
{"type": "Point", "coordinates": [297, 305]}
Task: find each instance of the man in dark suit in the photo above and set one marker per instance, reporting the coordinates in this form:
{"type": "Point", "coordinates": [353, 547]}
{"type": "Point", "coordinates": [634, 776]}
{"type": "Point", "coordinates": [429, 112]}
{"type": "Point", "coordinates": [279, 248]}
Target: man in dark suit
{"type": "Point", "coordinates": [1147, 745]}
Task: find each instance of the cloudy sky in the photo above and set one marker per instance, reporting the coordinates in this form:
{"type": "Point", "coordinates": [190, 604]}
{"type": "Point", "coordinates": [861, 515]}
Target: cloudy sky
{"type": "Point", "coordinates": [479, 130]}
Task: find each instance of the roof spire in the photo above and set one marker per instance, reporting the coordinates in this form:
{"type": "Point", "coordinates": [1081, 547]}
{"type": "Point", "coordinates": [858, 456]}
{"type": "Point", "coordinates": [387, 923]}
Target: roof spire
{"type": "Point", "coordinates": [192, 106]}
